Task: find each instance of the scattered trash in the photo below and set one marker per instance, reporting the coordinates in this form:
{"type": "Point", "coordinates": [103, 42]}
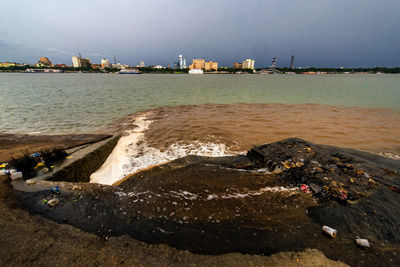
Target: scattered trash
{"type": "Point", "coordinates": [35, 155]}
{"type": "Point", "coordinates": [30, 181]}
{"type": "Point", "coordinates": [53, 202]}
{"type": "Point", "coordinates": [329, 231]}
{"type": "Point", "coordinates": [69, 157]}
{"type": "Point", "coordinates": [9, 172]}
{"type": "Point", "coordinates": [2, 172]}
{"type": "Point", "coordinates": [362, 243]}
{"type": "Point", "coordinates": [371, 181]}
{"type": "Point", "coordinates": [16, 175]}
{"type": "Point", "coordinates": [4, 165]}
{"type": "Point", "coordinates": [305, 189]}
{"type": "Point", "coordinates": [40, 164]}
{"type": "Point", "coordinates": [55, 189]}
{"type": "Point", "coordinates": [44, 201]}
{"type": "Point", "coordinates": [45, 169]}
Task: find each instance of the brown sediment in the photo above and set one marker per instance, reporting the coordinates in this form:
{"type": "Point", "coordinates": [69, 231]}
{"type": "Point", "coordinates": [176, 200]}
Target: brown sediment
{"type": "Point", "coordinates": [242, 126]}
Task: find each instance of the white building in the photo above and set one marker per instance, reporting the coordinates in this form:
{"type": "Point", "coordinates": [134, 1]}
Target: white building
{"type": "Point", "coordinates": [248, 64]}
{"type": "Point", "coordinates": [76, 62]}
{"type": "Point", "coordinates": [79, 62]}
{"type": "Point", "coordinates": [182, 62]}
{"type": "Point", "coordinates": [105, 63]}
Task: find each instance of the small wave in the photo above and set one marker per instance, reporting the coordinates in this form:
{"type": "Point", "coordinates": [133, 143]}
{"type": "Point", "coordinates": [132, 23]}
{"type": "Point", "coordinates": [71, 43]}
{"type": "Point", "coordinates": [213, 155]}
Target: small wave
{"type": "Point", "coordinates": [133, 154]}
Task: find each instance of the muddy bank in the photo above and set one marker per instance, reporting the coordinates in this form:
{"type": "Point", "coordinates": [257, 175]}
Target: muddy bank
{"type": "Point", "coordinates": [15, 145]}
{"type": "Point", "coordinates": [30, 239]}
{"type": "Point", "coordinates": [247, 204]}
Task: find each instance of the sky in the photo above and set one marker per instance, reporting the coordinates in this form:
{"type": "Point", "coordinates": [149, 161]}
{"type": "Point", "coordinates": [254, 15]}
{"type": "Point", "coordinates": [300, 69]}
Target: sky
{"type": "Point", "coordinates": [320, 33]}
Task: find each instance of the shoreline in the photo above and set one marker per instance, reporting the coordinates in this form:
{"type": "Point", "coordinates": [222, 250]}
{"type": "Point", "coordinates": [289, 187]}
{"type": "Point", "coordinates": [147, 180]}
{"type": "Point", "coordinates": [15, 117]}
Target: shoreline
{"type": "Point", "coordinates": [110, 198]}
{"type": "Point", "coordinates": [60, 244]}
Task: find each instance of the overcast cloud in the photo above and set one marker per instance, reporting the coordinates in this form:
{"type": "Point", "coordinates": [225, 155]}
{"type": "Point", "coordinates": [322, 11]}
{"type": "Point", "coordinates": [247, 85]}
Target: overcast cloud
{"type": "Point", "coordinates": [348, 33]}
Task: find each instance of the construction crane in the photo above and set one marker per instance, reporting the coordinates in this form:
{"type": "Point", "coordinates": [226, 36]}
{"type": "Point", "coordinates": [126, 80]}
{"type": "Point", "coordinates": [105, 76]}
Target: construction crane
{"type": "Point", "coordinates": [115, 59]}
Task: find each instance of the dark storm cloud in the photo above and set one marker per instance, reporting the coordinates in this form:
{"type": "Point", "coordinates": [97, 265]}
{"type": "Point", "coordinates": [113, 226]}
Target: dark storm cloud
{"type": "Point", "coordinates": [318, 32]}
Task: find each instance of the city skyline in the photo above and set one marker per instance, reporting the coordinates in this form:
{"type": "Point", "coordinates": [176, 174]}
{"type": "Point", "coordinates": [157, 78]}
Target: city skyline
{"type": "Point", "coordinates": [320, 33]}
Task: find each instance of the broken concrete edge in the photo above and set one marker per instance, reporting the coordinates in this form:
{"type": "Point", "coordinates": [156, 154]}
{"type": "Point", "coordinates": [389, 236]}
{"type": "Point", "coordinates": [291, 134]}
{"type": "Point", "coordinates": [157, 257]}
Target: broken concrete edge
{"type": "Point", "coordinates": [77, 170]}
{"type": "Point", "coordinates": [81, 169]}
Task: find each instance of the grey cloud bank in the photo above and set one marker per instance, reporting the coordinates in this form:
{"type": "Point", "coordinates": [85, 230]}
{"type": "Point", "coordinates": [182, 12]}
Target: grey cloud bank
{"type": "Point", "coordinates": [358, 33]}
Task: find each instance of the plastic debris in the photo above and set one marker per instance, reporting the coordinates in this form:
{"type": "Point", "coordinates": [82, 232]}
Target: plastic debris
{"type": "Point", "coordinates": [16, 175]}
{"type": "Point", "coordinates": [362, 243]}
{"type": "Point", "coordinates": [329, 231]}
{"type": "Point", "coordinates": [45, 169]}
{"type": "Point", "coordinates": [53, 202]}
{"type": "Point", "coordinates": [4, 165]}
{"type": "Point", "coordinates": [69, 157]}
{"type": "Point", "coordinates": [55, 189]}
{"type": "Point", "coordinates": [305, 189]}
{"type": "Point", "coordinates": [36, 154]}
{"type": "Point", "coordinates": [40, 164]}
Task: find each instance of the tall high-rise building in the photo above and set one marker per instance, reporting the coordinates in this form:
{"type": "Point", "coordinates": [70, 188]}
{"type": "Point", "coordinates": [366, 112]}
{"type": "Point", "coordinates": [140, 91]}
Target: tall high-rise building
{"type": "Point", "coordinates": [141, 64]}
{"type": "Point", "coordinates": [292, 62]}
{"type": "Point", "coordinates": [274, 63]}
{"type": "Point", "coordinates": [180, 61]}
{"type": "Point", "coordinates": [248, 64]}
{"type": "Point", "coordinates": [79, 62]}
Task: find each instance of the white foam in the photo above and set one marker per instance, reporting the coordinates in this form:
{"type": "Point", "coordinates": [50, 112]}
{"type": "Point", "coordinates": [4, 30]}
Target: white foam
{"type": "Point", "coordinates": [133, 154]}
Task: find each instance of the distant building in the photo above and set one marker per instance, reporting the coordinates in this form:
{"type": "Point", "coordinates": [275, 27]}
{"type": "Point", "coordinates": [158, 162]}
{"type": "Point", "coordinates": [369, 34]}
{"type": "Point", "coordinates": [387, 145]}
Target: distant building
{"type": "Point", "coordinates": [197, 64]}
{"type": "Point", "coordinates": [105, 63]}
{"type": "Point", "coordinates": [182, 62]}
{"type": "Point", "coordinates": [120, 66]}
{"type": "Point", "coordinates": [61, 66]}
{"type": "Point", "coordinates": [237, 65]}
{"type": "Point", "coordinates": [274, 63]}
{"type": "Point", "coordinates": [8, 64]}
{"type": "Point", "coordinates": [95, 66]}
{"type": "Point", "coordinates": [79, 62]}
{"type": "Point", "coordinates": [210, 65]}
{"type": "Point", "coordinates": [292, 62]}
{"type": "Point", "coordinates": [45, 61]}
{"type": "Point", "coordinates": [248, 64]}
{"type": "Point", "coordinates": [141, 64]}
{"type": "Point", "coordinates": [174, 65]}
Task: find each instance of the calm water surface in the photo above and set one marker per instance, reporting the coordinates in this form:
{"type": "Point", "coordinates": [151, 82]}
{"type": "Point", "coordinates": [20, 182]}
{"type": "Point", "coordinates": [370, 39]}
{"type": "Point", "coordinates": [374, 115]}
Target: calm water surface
{"type": "Point", "coordinates": [76, 103]}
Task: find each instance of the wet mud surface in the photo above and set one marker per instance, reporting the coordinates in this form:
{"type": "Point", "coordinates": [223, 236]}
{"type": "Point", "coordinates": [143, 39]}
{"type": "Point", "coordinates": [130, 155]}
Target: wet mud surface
{"type": "Point", "coordinates": [276, 198]}
{"type": "Point", "coordinates": [15, 145]}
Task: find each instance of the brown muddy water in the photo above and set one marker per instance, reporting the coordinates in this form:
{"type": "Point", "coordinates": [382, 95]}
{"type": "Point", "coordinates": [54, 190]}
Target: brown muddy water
{"type": "Point", "coordinates": [241, 126]}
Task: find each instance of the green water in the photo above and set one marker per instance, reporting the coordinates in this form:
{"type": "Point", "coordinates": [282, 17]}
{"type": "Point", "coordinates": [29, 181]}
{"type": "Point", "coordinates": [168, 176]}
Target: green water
{"type": "Point", "coordinates": [76, 103]}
